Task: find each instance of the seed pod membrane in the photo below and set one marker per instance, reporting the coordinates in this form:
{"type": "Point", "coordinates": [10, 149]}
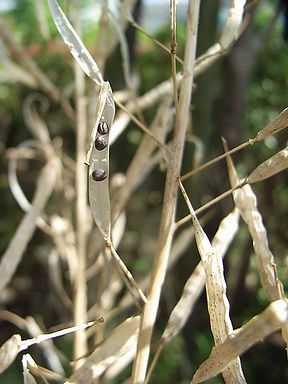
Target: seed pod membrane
{"type": "Point", "coordinates": [98, 159]}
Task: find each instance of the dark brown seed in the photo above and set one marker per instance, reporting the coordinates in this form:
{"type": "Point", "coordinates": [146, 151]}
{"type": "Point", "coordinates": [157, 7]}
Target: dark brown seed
{"type": "Point", "coordinates": [103, 128]}
{"type": "Point", "coordinates": [99, 174]}
{"type": "Point", "coordinates": [100, 143]}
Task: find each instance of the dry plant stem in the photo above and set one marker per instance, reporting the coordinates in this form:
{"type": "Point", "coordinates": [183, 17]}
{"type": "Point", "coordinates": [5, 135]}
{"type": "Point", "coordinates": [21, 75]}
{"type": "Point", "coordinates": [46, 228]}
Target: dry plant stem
{"type": "Point", "coordinates": [124, 53]}
{"type": "Point", "coordinates": [215, 160]}
{"type": "Point", "coordinates": [246, 201]}
{"type": "Point", "coordinates": [102, 41]}
{"type": "Point", "coordinates": [211, 202]}
{"type": "Point", "coordinates": [170, 198]}
{"type": "Point", "coordinates": [229, 34]}
{"type": "Point", "coordinates": [173, 60]}
{"type": "Point", "coordinates": [260, 326]}
{"type": "Point", "coordinates": [42, 80]}
{"type": "Point", "coordinates": [134, 175]}
{"type": "Point", "coordinates": [16, 248]}
{"type": "Point", "coordinates": [193, 288]}
{"type": "Point", "coordinates": [155, 41]}
{"type": "Point", "coordinates": [180, 246]}
{"type": "Point", "coordinates": [80, 288]}
{"type": "Point", "coordinates": [107, 41]}
{"type": "Point", "coordinates": [133, 287]}
{"type": "Point", "coordinates": [42, 19]}
{"type": "Point", "coordinates": [112, 349]}
{"type": "Point", "coordinates": [268, 168]}
{"type": "Point", "coordinates": [280, 122]}
{"type": "Point", "coordinates": [217, 301]}
{"type": "Point", "coordinates": [140, 125]}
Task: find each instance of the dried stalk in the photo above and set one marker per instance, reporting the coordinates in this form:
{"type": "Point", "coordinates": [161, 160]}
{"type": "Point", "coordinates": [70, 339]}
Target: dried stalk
{"type": "Point", "coordinates": [114, 348]}
{"type": "Point", "coordinates": [107, 41]}
{"type": "Point", "coordinates": [42, 80]}
{"type": "Point", "coordinates": [169, 205]}
{"type": "Point", "coordinates": [13, 346]}
{"type": "Point", "coordinates": [195, 284]}
{"type": "Point", "coordinates": [134, 174]}
{"type": "Point", "coordinates": [246, 201]}
{"type": "Point", "coordinates": [133, 287]}
{"type": "Point", "coordinates": [155, 41]}
{"type": "Point", "coordinates": [276, 125]}
{"type": "Point", "coordinates": [218, 304]}
{"type": "Point", "coordinates": [229, 34]}
{"type": "Point", "coordinates": [80, 288]}
{"type": "Point", "coordinates": [17, 246]}
{"type": "Point", "coordinates": [260, 326]}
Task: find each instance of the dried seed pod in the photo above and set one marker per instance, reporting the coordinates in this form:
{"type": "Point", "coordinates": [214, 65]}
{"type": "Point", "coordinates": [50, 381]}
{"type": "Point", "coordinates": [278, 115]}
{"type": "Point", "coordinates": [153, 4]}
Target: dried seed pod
{"type": "Point", "coordinates": [99, 174]}
{"type": "Point", "coordinates": [101, 143]}
{"type": "Point", "coordinates": [98, 160]}
{"type": "Point", "coordinates": [269, 167]}
{"type": "Point", "coordinates": [103, 128]}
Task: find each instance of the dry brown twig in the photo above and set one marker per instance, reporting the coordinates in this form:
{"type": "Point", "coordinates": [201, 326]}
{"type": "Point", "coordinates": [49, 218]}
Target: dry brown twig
{"type": "Point", "coordinates": [218, 304]}
{"type": "Point", "coordinates": [42, 80]}
{"type": "Point", "coordinates": [169, 204]}
{"type": "Point", "coordinates": [260, 326]}
{"type": "Point", "coordinates": [17, 246]}
{"type": "Point", "coordinates": [80, 284]}
{"type": "Point", "coordinates": [194, 286]}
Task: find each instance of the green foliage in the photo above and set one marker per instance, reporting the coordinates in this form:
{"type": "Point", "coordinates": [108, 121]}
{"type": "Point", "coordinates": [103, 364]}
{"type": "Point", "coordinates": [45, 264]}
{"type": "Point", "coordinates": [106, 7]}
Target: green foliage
{"type": "Point", "coordinates": [172, 360]}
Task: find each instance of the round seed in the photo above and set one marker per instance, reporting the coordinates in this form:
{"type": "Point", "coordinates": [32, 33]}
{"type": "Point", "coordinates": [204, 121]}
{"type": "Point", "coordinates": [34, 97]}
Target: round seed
{"type": "Point", "coordinates": [99, 174]}
{"type": "Point", "coordinates": [100, 143]}
{"type": "Point", "coordinates": [103, 128]}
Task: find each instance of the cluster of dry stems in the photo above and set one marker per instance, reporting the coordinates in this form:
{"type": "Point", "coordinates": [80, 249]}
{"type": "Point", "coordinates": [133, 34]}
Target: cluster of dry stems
{"type": "Point", "coordinates": [85, 259]}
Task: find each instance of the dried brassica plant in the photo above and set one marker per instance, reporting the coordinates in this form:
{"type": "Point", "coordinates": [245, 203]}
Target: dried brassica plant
{"type": "Point", "coordinates": [81, 207]}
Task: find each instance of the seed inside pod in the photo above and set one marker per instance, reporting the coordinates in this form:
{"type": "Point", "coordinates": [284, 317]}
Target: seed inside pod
{"type": "Point", "coordinates": [103, 128]}
{"type": "Point", "coordinates": [99, 174]}
{"type": "Point", "coordinates": [100, 143]}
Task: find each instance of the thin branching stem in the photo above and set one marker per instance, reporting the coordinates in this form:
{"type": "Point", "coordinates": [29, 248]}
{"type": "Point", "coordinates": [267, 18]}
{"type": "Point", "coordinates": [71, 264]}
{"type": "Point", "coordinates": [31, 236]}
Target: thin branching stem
{"type": "Point", "coordinates": [169, 204]}
{"type": "Point", "coordinates": [215, 160]}
{"type": "Point", "coordinates": [80, 292]}
{"type": "Point", "coordinates": [140, 125]}
{"type": "Point", "coordinates": [155, 41]}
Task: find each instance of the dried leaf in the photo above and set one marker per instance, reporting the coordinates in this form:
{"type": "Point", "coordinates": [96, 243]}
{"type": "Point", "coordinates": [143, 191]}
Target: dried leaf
{"type": "Point", "coordinates": [119, 343]}
{"type": "Point", "coordinates": [260, 326]}
{"type": "Point", "coordinates": [13, 254]}
{"type": "Point", "coordinates": [9, 351]}
{"type": "Point", "coordinates": [270, 167]}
